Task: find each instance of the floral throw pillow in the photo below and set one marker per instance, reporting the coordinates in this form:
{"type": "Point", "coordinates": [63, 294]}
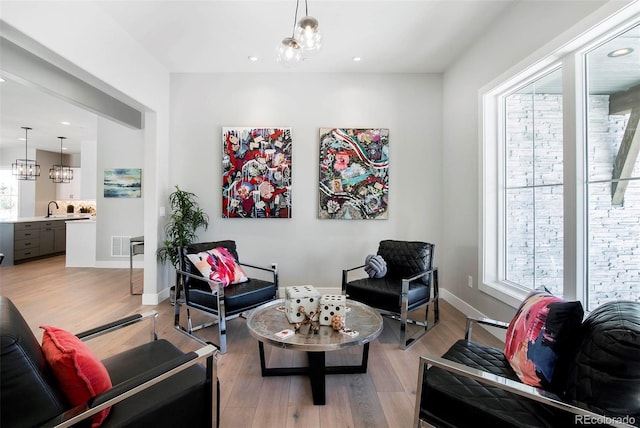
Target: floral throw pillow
{"type": "Point", "coordinates": [219, 265]}
{"type": "Point", "coordinates": [538, 333]}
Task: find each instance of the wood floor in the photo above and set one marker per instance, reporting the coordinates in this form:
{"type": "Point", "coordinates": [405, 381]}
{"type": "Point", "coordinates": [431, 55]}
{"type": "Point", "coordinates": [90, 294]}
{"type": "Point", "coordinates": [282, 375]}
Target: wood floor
{"type": "Point", "coordinates": [76, 299]}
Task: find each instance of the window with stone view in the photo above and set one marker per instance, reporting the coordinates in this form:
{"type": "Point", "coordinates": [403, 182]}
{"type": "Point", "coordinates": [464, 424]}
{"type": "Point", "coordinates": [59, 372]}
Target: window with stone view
{"type": "Point", "coordinates": [533, 185]}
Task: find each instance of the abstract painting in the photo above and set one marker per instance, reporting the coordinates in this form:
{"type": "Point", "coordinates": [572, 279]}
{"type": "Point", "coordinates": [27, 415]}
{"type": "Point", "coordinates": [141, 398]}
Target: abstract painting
{"type": "Point", "coordinates": [256, 172]}
{"type": "Point", "coordinates": [354, 173]}
{"type": "Point", "coordinates": [123, 183]}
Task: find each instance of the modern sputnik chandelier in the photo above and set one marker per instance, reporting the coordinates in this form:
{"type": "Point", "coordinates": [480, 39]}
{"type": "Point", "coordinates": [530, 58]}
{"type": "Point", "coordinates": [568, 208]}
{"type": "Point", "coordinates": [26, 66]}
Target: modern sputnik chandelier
{"type": "Point", "coordinates": [61, 173]}
{"type": "Point", "coordinates": [305, 39]}
{"type": "Point", "coordinates": [25, 169]}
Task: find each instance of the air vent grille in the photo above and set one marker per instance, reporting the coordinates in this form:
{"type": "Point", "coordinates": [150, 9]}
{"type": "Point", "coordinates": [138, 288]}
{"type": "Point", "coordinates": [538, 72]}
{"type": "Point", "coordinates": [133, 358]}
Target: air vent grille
{"type": "Point", "coordinates": [120, 246]}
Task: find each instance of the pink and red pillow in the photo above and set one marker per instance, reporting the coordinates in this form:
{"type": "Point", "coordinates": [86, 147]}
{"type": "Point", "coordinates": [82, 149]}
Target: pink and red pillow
{"type": "Point", "coordinates": [538, 333]}
{"type": "Point", "coordinates": [80, 374]}
{"type": "Point", "coordinates": [219, 265]}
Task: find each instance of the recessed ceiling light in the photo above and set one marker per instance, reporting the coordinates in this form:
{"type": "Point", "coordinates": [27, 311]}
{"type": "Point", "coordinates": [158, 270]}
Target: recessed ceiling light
{"type": "Point", "coordinates": [1, 79]}
{"type": "Point", "coordinates": [252, 58]}
{"type": "Point", "coordinates": [620, 52]}
{"type": "Point", "coordinates": [65, 123]}
{"type": "Point", "coordinates": [356, 59]}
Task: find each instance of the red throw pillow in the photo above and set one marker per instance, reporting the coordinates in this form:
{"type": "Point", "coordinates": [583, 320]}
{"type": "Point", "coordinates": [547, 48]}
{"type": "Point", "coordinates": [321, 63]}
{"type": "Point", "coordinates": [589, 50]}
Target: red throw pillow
{"type": "Point", "coordinates": [79, 372]}
{"type": "Point", "coordinates": [538, 334]}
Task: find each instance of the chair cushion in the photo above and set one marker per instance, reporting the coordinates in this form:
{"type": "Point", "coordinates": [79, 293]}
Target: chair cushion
{"type": "Point", "coordinates": [605, 373]}
{"type": "Point", "coordinates": [543, 328]}
{"type": "Point", "coordinates": [81, 375]}
{"type": "Point", "coordinates": [237, 297]}
{"type": "Point", "coordinates": [384, 293]}
{"type": "Point", "coordinates": [406, 258]}
{"type": "Point", "coordinates": [219, 265]}
{"type": "Point", "coordinates": [181, 400]}
{"type": "Point", "coordinates": [456, 401]}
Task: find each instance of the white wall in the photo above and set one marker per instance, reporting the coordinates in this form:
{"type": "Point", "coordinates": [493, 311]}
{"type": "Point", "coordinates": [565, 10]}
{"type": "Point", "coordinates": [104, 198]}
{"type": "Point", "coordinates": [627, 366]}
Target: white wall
{"type": "Point", "coordinates": [117, 216]}
{"type": "Point", "coordinates": [309, 250]}
{"type": "Point", "coordinates": [517, 35]}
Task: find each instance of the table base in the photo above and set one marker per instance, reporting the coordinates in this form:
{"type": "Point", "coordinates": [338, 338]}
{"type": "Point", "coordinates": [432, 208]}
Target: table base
{"type": "Point", "coordinates": [317, 370]}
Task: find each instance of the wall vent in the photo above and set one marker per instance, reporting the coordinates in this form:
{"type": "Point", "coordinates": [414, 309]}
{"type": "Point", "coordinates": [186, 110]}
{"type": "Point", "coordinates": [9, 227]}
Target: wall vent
{"type": "Point", "coordinates": [120, 246]}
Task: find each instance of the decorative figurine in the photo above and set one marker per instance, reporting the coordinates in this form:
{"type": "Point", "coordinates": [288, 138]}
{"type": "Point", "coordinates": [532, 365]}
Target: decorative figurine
{"type": "Point", "coordinates": [337, 322]}
{"type": "Point", "coordinates": [310, 318]}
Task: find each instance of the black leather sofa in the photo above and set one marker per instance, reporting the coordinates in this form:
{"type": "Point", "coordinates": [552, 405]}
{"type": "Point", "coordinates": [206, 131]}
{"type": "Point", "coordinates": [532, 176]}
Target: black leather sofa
{"type": "Point", "coordinates": [473, 385]}
{"type": "Point", "coordinates": [152, 382]}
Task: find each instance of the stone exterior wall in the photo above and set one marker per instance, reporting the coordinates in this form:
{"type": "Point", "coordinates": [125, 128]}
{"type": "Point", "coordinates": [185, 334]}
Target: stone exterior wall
{"type": "Point", "coordinates": [534, 217]}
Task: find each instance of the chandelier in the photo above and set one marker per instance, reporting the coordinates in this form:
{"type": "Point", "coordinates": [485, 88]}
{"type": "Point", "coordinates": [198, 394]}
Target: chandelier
{"type": "Point", "coordinates": [61, 173]}
{"type": "Point", "coordinates": [25, 169]}
{"type": "Point", "coordinates": [305, 39]}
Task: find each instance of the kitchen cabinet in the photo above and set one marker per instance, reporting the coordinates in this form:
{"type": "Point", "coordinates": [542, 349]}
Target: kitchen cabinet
{"type": "Point", "coordinates": [24, 240]}
{"type": "Point", "coordinates": [72, 190]}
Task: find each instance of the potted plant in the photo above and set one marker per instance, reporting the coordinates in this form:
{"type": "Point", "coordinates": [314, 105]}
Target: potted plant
{"type": "Point", "coordinates": [186, 218]}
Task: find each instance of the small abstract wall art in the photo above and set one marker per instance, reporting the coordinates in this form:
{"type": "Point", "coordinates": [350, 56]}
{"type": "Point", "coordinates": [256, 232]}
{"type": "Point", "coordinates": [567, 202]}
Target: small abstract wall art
{"type": "Point", "coordinates": [354, 173]}
{"type": "Point", "coordinates": [256, 168]}
{"type": "Point", "coordinates": [123, 183]}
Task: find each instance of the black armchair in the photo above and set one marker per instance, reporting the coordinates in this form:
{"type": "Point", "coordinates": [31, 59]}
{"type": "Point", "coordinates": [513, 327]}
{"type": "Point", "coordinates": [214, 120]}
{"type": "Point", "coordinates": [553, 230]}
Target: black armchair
{"type": "Point", "coordinates": [150, 381]}
{"type": "Point", "coordinates": [225, 302]}
{"type": "Point", "coordinates": [473, 384]}
{"type": "Point", "coordinates": [411, 282]}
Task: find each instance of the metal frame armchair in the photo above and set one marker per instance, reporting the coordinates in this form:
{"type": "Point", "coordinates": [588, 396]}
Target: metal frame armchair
{"type": "Point", "coordinates": [150, 381]}
{"type": "Point", "coordinates": [224, 303]}
{"type": "Point", "coordinates": [411, 282]}
{"type": "Point", "coordinates": [472, 384]}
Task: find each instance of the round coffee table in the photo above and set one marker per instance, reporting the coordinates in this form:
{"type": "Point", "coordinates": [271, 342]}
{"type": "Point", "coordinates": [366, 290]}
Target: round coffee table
{"type": "Point", "coordinates": [267, 320]}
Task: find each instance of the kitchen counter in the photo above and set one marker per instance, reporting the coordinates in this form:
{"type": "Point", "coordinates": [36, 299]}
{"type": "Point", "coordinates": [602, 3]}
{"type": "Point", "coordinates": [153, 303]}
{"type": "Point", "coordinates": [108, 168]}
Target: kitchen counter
{"type": "Point", "coordinates": [53, 217]}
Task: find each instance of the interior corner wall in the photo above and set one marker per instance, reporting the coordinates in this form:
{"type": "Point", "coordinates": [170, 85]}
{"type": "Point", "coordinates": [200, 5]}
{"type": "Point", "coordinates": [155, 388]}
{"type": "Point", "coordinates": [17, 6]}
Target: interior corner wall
{"type": "Point", "coordinates": [514, 37]}
{"type": "Point", "coordinates": [117, 216]}
{"type": "Point", "coordinates": [309, 250]}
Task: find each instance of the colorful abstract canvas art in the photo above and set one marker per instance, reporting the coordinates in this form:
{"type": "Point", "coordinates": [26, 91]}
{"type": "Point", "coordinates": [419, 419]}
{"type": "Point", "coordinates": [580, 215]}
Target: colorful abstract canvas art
{"type": "Point", "coordinates": [256, 168]}
{"type": "Point", "coordinates": [354, 173]}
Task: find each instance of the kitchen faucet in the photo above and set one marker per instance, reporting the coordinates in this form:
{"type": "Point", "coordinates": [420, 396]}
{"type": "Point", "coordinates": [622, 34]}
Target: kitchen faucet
{"type": "Point", "coordinates": [49, 208]}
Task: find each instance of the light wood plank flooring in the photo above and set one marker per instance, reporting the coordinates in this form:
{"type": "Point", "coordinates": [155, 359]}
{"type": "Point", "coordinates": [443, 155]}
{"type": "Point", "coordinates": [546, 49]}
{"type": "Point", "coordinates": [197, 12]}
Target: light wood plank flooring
{"type": "Point", "coordinates": [76, 299]}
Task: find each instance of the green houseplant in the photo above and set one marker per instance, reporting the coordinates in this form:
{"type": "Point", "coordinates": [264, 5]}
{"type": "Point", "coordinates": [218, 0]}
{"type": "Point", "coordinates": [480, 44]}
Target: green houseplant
{"type": "Point", "coordinates": [186, 218]}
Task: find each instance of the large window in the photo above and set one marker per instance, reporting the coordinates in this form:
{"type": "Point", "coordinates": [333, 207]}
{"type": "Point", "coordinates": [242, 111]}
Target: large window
{"type": "Point", "coordinates": [533, 184]}
{"type": "Point", "coordinates": [613, 169]}
{"type": "Point", "coordinates": [561, 173]}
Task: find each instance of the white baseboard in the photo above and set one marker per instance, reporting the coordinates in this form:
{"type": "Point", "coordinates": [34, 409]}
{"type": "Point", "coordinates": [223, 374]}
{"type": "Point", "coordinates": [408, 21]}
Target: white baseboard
{"type": "Point", "coordinates": [469, 310]}
{"type": "Point", "coordinates": [118, 264]}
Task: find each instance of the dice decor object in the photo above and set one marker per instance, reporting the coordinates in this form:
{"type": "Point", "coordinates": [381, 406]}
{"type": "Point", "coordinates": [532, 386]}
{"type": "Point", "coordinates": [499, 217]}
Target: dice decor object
{"type": "Point", "coordinates": [330, 306]}
{"type": "Point", "coordinates": [305, 296]}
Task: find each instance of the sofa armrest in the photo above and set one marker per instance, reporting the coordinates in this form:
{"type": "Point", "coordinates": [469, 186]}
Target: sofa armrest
{"type": "Point", "coordinates": [511, 386]}
{"type": "Point", "coordinates": [483, 321]}
{"type": "Point", "coordinates": [121, 323]}
{"type": "Point", "coordinates": [139, 383]}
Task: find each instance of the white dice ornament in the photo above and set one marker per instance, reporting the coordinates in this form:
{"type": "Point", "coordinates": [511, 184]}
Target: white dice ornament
{"type": "Point", "coordinates": [301, 295]}
{"type": "Point", "coordinates": [331, 305]}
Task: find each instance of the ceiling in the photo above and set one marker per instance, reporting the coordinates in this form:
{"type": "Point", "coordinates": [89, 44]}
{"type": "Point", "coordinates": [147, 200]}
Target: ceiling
{"type": "Point", "coordinates": [390, 36]}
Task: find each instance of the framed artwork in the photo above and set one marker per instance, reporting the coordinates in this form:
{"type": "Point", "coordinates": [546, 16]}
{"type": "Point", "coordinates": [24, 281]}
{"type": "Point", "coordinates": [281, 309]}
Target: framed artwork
{"type": "Point", "coordinates": [354, 173]}
{"type": "Point", "coordinates": [123, 183]}
{"type": "Point", "coordinates": [256, 172]}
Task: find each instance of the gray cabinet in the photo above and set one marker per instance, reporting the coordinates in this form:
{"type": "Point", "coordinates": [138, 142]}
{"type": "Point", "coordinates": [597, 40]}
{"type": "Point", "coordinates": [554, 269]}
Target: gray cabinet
{"type": "Point", "coordinates": [27, 240]}
{"type": "Point", "coordinates": [60, 236]}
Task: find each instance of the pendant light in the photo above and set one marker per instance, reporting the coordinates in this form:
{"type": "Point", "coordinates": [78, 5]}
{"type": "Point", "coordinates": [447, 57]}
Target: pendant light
{"type": "Point", "coordinates": [305, 39]}
{"type": "Point", "coordinates": [25, 169]}
{"type": "Point", "coordinates": [307, 33]}
{"type": "Point", "coordinates": [61, 173]}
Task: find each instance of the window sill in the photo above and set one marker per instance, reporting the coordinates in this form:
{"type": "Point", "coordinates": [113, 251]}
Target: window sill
{"type": "Point", "coordinates": [508, 294]}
